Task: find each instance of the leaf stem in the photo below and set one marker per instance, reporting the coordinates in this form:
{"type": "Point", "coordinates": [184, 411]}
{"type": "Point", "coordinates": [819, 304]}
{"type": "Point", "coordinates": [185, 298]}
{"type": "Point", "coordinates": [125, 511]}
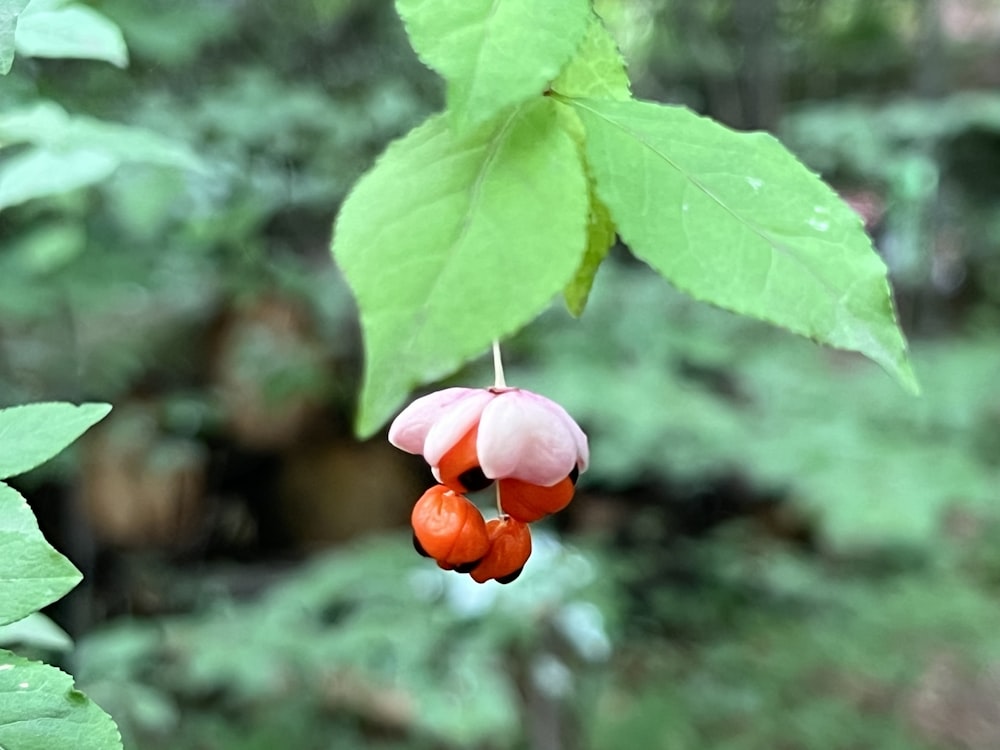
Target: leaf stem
{"type": "Point", "coordinates": [499, 381]}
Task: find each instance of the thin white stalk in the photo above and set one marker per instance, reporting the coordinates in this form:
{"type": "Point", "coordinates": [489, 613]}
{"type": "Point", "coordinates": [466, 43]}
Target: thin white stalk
{"type": "Point", "coordinates": [499, 381]}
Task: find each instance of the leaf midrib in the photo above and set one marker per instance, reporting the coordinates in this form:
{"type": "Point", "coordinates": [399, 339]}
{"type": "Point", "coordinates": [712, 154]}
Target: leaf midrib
{"type": "Point", "coordinates": [493, 147]}
{"type": "Point", "coordinates": [487, 27]}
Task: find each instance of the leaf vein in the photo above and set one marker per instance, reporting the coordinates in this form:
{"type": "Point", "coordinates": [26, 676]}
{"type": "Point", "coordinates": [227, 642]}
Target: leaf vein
{"type": "Point", "coordinates": [775, 245]}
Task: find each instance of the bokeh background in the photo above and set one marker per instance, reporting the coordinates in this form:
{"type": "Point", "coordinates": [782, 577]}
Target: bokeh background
{"type": "Point", "coordinates": [775, 547]}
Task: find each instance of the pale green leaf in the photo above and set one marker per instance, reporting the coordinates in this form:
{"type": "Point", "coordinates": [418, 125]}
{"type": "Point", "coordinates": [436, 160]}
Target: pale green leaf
{"type": "Point", "coordinates": [73, 31]}
{"type": "Point", "coordinates": [493, 53]}
{"type": "Point", "coordinates": [48, 125]}
{"type": "Point", "coordinates": [32, 434]}
{"type": "Point", "coordinates": [40, 709]}
{"type": "Point", "coordinates": [600, 227]}
{"type": "Point", "coordinates": [32, 573]}
{"type": "Point", "coordinates": [452, 241]}
{"type": "Point", "coordinates": [39, 172]}
{"type": "Point", "coordinates": [35, 631]}
{"type": "Point", "coordinates": [734, 219]}
{"type": "Point", "coordinates": [596, 70]}
{"type": "Point", "coordinates": [600, 238]}
{"type": "Point", "coordinates": [9, 12]}
{"type": "Point", "coordinates": [41, 251]}
{"type": "Point", "coordinates": [74, 152]}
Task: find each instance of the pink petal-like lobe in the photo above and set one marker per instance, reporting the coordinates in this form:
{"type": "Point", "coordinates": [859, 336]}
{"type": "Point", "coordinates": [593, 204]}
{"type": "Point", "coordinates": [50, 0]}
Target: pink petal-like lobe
{"type": "Point", "coordinates": [409, 430]}
{"type": "Point", "coordinates": [453, 422]}
{"type": "Point", "coordinates": [580, 437]}
{"type": "Point", "coordinates": [525, 436]}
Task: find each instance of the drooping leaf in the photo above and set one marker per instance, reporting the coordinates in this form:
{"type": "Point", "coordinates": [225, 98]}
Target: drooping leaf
{"type": "Point", "coordinates": [32, 434]}
{"type": "Point", "coordinates": [73, 152]}
{"type": "Point", "coordinates": [600, 238]}
{"type": "Point", "coordinates": [39, 172]}
{"type": "Point", "coordinates": [452, 241]}
{"type": "Point", "coordinates": [40, 709]}
{"type": "Point", "coordinates": [9, 12]}
{"type": "Point", "coordinates": [35, 631]}
{"type": "Point", "coordinates": [596, 70]}
{"type": "Point", "coordinates": [47, 29]}
{"type": "Point", "coordinates": [734, 219]}
{"type": "Point", "coordinates": [493, 53]}
{"type": "Point", "coordinates": [39, 252]}
{"type": "Point", "coordinates": [48, 125]}
{"type": "Point", "coordinates": [33, 574]}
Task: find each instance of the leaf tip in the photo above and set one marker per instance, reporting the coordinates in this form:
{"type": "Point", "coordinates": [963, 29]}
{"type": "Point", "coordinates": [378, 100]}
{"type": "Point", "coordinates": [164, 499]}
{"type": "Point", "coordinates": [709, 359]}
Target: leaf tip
{"type": "Point", "coordinates": [100, 408]}
{"type": "Point", "coordinates": [574, 303]}
{"type": "Point", "coordinates": [907, 378]}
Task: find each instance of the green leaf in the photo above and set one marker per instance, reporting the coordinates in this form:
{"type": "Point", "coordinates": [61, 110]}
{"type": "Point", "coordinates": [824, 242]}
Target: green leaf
{"type": "Point", "coordinates": [596, 70]}
{"type": "Point", "coordinates": [452, 241]}
{"type": "Point", "coordinates": [48, 125]}
{"type": "Point", "coordinates": [600, 227]}
{"type": "Point", "coordinates": [35, 631]}
{"type": "Point", "coordinates": [40, 709]}
{"type": "Point", "coordinates": [32, 434]}
{"type": "Point", "coordinates": [73, 152]}
{"type": "Point", "coordinates": [493, 53]}
{"type": "Point", "coordinates": [51, 29]}
{"type": "Point", "coordinates": [37, 173]}
{"type": "Point", "coordinates": [9, 12]}
{"type": "Point", "coordinates": [32, 573]}
{"type": "Point", "coordinates": [42, 251]}
{"type": "Point", "coordinates": [600, 238]}
{"type": "Point", "coordinates": [734, 219]}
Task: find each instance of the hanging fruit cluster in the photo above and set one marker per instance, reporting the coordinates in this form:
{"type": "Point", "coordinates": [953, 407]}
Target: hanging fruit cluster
{"type": "Point", "coordinates": [472, 437]}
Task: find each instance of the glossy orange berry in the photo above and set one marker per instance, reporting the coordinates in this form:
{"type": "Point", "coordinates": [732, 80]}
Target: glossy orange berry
{"type": "Point", "coordinates": [459, 467]}
{"type": "Point", "coordinates": [449, 528]}
{"type": "Point", "coordinates": [530, 502]}
{"type": "Point", "coordinates": [510, 548]}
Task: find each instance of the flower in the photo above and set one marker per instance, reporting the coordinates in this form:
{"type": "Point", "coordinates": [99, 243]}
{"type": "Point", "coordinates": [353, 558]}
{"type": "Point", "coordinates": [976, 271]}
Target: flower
{"type": "Point", "coordinates": [498, 433]}
{"type": "Point", "coordinates": [472, 437]}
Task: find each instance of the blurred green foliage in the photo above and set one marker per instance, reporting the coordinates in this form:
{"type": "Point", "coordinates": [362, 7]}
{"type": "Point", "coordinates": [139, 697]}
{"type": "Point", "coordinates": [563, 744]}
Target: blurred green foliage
{"type": "Point", "coordinates": [774, 650]}
{"type": "Point", "coordinates": [165, 249]}
{"type": "Point", "coordinates": [681, 391]}
{"type": "Point", "coordinates": [774, 547]}
{"type": "Point", "coordinates": [367, 637]}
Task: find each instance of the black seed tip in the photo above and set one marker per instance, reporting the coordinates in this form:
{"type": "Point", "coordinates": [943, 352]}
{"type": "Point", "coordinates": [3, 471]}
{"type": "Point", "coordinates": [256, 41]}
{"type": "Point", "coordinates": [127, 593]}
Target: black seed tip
{"type": "Point", "coordinates": [574, 475]}
{"type": "Point", "coordinates": [468, 567]}
{"type": "Point", "coordinates": [419, 547]}
{"type": "Point", "coordinates": [510, 577]}
{"type": "Point", "coordinates": [474, 480]}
